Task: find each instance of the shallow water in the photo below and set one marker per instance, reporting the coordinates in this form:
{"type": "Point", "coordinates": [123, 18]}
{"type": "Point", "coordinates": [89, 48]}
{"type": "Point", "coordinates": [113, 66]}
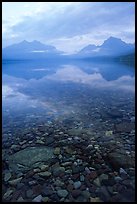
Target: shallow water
{"type": "Point", "coordinates": [84, 113]}
{"type": "Point", "coordinates": [35, 92]}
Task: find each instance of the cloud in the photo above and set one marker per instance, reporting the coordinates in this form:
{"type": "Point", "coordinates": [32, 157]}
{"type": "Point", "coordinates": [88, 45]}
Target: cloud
{"type": "Point", "coordinates": [78, 23]}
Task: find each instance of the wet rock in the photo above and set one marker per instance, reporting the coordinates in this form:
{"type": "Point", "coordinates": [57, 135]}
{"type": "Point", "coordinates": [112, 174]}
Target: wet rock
{"type": "Point", "coordinates": [8, 193]}
{"type": "Point", "coordinates": [15, 147]}
{"type": "Point", "coordinates": [77, 184]}
{"type": "Point", "coordinates": [75, 193]}
{"type": "Point", "coordinates": [103, 177]}
{"type": "Point", "coordinates": [125, 127]}
{"type": "Point", "coordinates": [97, 182]}
{"type": "Point", "coordinates": [65, 164]}
{"type": "Point", "coordinates": [29, 193]}
{"type": "Point", "coordinates": [29, 157]}
{"type": "Point", "coordinates": [96, 199]}
{"type": "Point", "coordinates": [44, 167]}
{"type": "Point", "coordinates": [39, 142]}
{"type": "Point", "coordinates": [47, 190]}
{"type": "Point", "coordinates": [57, 151]}
{"type": "Point", "coordinates": [117, 159]}
{"type": "Point", "coordinates": [103, 194]}
{"type": "Point", "coordinates": [58, 170]}
{"type": "Point", "coordinates": [45, 199]}
{"type": "Point", "coordinates": [7, 176]}
{"type": "Point", "coordinates": [109, 133]}
{"type": "Point", "coordinates": [62, 193]}
{"type": "Point", "coordinates": [15, 181]}
{"type": "Point", "coordinates": [20, 199]}
{"type": "Point", "coordinates": [37, 199]}
{"type": "Point", "coordinates": [45, 174]}
{"type": "Point", "coordinates": [82, 178]}
{"type": "Point", "coordinates": [31, 183]}
{"type": "Point", "coordinates": [49, 140]}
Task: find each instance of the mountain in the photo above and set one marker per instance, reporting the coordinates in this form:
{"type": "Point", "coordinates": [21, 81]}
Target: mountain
{"type": "Point", "coordinates": [29, 50]}
{"type": "Point", "coordinates": [111, 47]}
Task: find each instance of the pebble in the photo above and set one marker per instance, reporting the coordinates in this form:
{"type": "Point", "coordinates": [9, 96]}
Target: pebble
{"type": "Point", "coordinates": [62, 193]}
{"type": "Point", "coordinates": [7, 194]}
{"type": "Point", "coordinates": [15, 181]}
{"type": "Point", "coordinates": [44, 167]}
{"type": "Point", "coordinates": [97, 182]}
{"type": "Point", "coordinates": [45, 174]}
{"type": "Point", "coordinates": [57, 151]}
{"type": "Point", "coordinates": [77, 184]}
{"type": "Point", "coordinates": [37, 199]}
{"type": "Point", "coordinates": [7, 176]}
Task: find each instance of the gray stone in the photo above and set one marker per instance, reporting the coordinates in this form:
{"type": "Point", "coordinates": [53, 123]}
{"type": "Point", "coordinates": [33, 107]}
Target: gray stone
{"type": "Point", "coordinates": [7, 176]}
{"type": "Point", "coordinates": [37, 199]}
{"type": "Point", "coordinates": [97, 182]}
{"type": "Point", "coordinates": [45, 174]}
{"type": "Point", "coordinates": [8, 193]}
{"type": "Point", "coordinates": [29, 157]}
{"type": "Point", "coordinates": [62, 193]}
{"type": "Point", "coordinates": [103, 177]}
{"type": "Point", "coordinates": [77, 184]}
{"type": "Point", "coordinates": [15, 181]}
{"type": "Point", "coordinates": [58, 170]}
{"type": "Point", "coordinates": [29, 193]}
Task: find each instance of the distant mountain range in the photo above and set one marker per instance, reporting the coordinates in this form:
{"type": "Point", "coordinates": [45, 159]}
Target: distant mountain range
{"type": "Point", "coordinates": [111, 47]}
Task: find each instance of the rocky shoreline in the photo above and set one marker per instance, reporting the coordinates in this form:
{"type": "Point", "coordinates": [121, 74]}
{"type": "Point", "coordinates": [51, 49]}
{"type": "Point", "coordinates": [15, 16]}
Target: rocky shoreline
{"type": "Point", "coordinates": [56, 164]}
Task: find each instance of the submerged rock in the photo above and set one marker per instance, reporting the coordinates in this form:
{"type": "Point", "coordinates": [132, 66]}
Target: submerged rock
{"type": "Point", "coordinates": [29, 157]}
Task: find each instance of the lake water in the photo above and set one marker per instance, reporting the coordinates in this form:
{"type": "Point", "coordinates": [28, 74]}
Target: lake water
{"type": "Point", "coordinates": [84, 109]}
{"type": "Point", "coordinates": [80, 92]}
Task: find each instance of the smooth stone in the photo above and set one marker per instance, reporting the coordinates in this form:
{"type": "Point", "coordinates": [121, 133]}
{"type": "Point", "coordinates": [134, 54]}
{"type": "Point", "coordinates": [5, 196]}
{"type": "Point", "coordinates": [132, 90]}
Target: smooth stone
{"type": "Point", "coordinates": [45, 199]}
{"type": "Point", "coordinates": [103, 194]}
{"type": "Point", "coordinates": [66, 164]}
{"type": "Point", "coordinates": [37, 199]}
{"type": "Point", "coordinates": [122, 171]}
{"type": "Point", "coordinates": [23, 142]}
{"type": "Point", "coordinates": [62, 193]}
{"type": "Point", "coordinates": [39, 142]}
{"type": "Point", "coordinates": [45, 174]}
{"type": "Point", "coordinates": [29, 157]}
{"type": "Point", "coordinates": [103, 177]}
{"type": "Point", "coordinates": [97, 182]}
{"type": "Point", "coordinates": [82, 178]}
{"type": "Point", "coordinates": [109, 133]}
{"type": "Point", "coordinates": [77, 184]}
{"type": "Point", "coordinates": [31, 183]}
{"type": "Point", "coordinates": [58, 170]}
{"type": "Point", "coordinates": [47, 190]}
{"type": "Point", "coordinates": [57, 151]}
{"type": "Point", "coordinates": [8, 193]}
{"type": "Point", "coordinates": [29, 193]}
{"type": "Point", "coordinates": [15, 181]}
{"type": "Point", "coordinates": [7, 176]}
{"type": "Point", "coordinates": [75, 193]}
{"type": "Point", "coordinates": [96, 199]}
{"type": "Point", "coordinates": [44, 167]}
{"type": "Point", "coordinates": [20, 199]}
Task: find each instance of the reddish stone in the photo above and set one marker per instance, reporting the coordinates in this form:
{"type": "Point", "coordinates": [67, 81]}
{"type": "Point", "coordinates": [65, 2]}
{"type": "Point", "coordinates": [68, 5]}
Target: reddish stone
{"type": "Point", "coordinates": [29, 174]}
{"type": "Point", "coordinates": [70, 187]}
{"type": "Point", "coordinates": [76, 193]}
{"type": "Point", "coordinates": [75, 176]}
{"type": "Point", "coordinates": [37, 189]}
{"type": "Point", "coordinates": [16, 195]}
{"type": "Point", "coordinates": [92, 175]}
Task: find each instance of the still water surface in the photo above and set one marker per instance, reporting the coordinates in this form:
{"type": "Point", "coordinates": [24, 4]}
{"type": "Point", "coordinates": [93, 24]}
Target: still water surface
{"type": "Point", "coordinates": [78, 94]}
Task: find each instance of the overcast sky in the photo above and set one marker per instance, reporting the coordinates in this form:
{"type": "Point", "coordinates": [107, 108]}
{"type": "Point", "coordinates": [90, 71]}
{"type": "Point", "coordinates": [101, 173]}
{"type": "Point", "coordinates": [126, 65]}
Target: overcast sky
{"type": "Point", "coordinates": [67, 25]}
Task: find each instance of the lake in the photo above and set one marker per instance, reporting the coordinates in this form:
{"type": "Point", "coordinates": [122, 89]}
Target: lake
{"type": "Point", "coordinates": [81, 103]}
